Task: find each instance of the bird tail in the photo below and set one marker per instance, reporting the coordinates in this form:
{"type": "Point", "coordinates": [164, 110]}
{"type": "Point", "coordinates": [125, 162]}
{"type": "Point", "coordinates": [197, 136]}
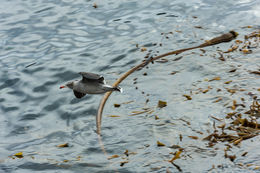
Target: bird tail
{"type": "Point", "coordinates": [118, 89]}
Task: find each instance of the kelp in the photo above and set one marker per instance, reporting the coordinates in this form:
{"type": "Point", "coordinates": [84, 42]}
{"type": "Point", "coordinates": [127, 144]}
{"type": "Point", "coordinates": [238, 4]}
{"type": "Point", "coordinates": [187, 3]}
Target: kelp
{"type": "Point", "coordinates": [217, 40]}
{"type": "Point", "coordinates": [231, 130]}
{"type": "Point", "coordinates": [238, 129]}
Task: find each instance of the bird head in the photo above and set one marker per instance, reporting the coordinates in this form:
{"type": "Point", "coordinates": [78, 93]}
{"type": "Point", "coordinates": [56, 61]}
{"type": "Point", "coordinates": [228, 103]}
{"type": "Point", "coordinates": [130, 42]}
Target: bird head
{"type": "Point", "coordinates": [67, 85]}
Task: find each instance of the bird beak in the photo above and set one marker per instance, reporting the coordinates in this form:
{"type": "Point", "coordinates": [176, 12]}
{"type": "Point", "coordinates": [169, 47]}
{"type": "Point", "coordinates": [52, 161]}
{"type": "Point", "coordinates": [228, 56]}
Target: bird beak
{"type": "Point", "coordinates": [62, 86]}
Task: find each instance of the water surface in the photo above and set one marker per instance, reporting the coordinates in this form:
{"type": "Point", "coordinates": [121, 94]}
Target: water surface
{"type": "Point", "coordinates": [44, 44]}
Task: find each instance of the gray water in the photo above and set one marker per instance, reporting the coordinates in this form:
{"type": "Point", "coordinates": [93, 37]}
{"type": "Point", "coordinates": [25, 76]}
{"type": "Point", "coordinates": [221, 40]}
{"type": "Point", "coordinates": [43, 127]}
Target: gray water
{"type": "Point", "coordinates": [44, 44]}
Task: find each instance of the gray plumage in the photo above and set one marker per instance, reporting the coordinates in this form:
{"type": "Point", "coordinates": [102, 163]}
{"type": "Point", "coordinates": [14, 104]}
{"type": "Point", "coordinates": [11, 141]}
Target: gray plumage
{"type": "Point", "coordinates": [90, 83]}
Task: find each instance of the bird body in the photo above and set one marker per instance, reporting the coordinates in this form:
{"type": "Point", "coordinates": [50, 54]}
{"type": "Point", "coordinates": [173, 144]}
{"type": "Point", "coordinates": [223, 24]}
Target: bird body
{"type": "Point", "coordinates": [91, 83]}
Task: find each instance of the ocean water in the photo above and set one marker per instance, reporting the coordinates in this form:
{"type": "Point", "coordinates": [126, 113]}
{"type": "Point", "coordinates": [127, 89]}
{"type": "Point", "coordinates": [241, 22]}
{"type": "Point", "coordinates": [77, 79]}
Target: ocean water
{"type": "Point", "coordinates": [44, 44]}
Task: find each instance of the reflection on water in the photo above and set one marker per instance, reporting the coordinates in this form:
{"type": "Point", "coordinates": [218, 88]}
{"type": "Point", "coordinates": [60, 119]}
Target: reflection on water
{"type": "Point", "coordinates": [44, 44]}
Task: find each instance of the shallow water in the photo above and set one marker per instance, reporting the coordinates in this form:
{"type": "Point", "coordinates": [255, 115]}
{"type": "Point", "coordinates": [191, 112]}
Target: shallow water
{"type": "Point", "coordinates": [44, 44]}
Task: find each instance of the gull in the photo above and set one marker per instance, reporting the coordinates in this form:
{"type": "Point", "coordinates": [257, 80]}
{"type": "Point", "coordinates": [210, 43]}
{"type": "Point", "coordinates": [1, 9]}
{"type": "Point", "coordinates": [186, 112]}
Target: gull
{"type": "Point", "coordinates": [90, 83]}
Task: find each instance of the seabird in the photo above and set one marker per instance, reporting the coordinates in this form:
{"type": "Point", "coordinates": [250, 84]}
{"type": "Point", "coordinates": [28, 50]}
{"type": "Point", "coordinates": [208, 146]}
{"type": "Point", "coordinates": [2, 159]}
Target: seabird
{"type": "Point", "coordinates": [90, 83]}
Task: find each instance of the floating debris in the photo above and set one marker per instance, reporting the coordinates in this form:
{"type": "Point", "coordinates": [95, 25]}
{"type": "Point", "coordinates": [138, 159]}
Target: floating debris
{"type": "Point", "coordinates": [236, 142]}
{"type": "Point", "coordinates": [163, 60]}
{"type": "Point", "coordinates": [255, 72]}
{"type": "Point", "coordinates": [194, 137]}
{"type": "Point", "coordinates": [176, 155]}
{"type": "Point", "coordinates": [161, 104]}
{"type": "Point", "coordinates": [126, 153]}
{"type": "Point", "coordinates": [113, 157]}
{"type": "Point", "coordinates": [188, 97]}
{"type": "Point", "coordinates": [30, 64]}
{"type": "Point", "coordinates": [117, 105]}
{"type": "Point", "coordinates": [218, 100]}
{"type": "Point", "coordinates": [95, 5]}
{"type": "Point", "coordinates": [115, 20]}
{"type": "Point", "coordinates": [222, 126]}
{"type": "Point", "coordinates": [246, 51]}
{"type": "Point", "coordinates": [160, 144]}
{"type": "Point", "coordinates": [19, 155]}
{"type": "Point", "coordinates": [218, 119]}
{"type": "Point", "coordinates": [215, 78]}
{"type": "Point", "coordinates": [231, 157]}
{"type": "Point", "coordinates": [228, 82]}
{"type": "Point", "coordinates": [173, 73]}
{"type": "Point", "coordinates": [63, 145]}
{"type": "Point", "coordinates": [238, 41]}
{"type": "Point", "coordinates": [146, 110]}
{"type": "Point", "coordinates": [180, 137]}
{"type": "Point", "coordinates": [232, 70]}
{"type": "Point", "coordinates": [232, 91]}
{"type": "Point", "coordinates": [198, 27]}
{"type": "Point", "coordinates": [244, 154]}
{"type": "Point", "coordinates": [232, 49]}
{"type": "Point", "coordinates": [113, 116]}
{"type": "Point", "coordinates": [257, 168]}
{"type": "Point", "coordinates": [122, 163]}
{"type": "Point", "coordinates": [221, 57]}
{"type": "Point", "coordinates": [244, 128]}
{"type": "Point", "coordinates": [143, 49]}
{"type": "Point", "coordinates": [233, 107]}
{"type": "Point", "coordinates": [252, 35]}
{"type": "Point", "coordinates": [161, 13]}
{"type": "Point", "coordinates": [205, 91]}
{"type": "Point", "coordinates": [203, 50]}
{"type": "Point", "coordinates": [78, 158]}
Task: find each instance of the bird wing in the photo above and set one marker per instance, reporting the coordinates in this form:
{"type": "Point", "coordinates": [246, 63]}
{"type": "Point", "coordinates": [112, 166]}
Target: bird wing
{"type": "Point", "coordinates": [78, 94]}
{"type": "Point", "coordinates": [86, 76]}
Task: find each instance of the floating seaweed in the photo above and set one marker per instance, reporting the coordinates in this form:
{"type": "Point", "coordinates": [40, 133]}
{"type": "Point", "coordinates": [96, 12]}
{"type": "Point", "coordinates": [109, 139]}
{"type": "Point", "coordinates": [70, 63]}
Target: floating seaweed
{"type": "Point", "coordinates": [160, 144]}
{"type": "Point", "coordinates": [161, 104]}
{"type": "Point", "coordinates": [63, 145]}
{"type": "Point", "coordinates": [244, 128]}
{"type": "Point", "coordinates": [231, 130]}
{"type": "Point", "coordinates": [177, 155]}
{"type": "Point", "coordinates": [19, 155]}
{"type": "Point", "coordinates": [217, 40]}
